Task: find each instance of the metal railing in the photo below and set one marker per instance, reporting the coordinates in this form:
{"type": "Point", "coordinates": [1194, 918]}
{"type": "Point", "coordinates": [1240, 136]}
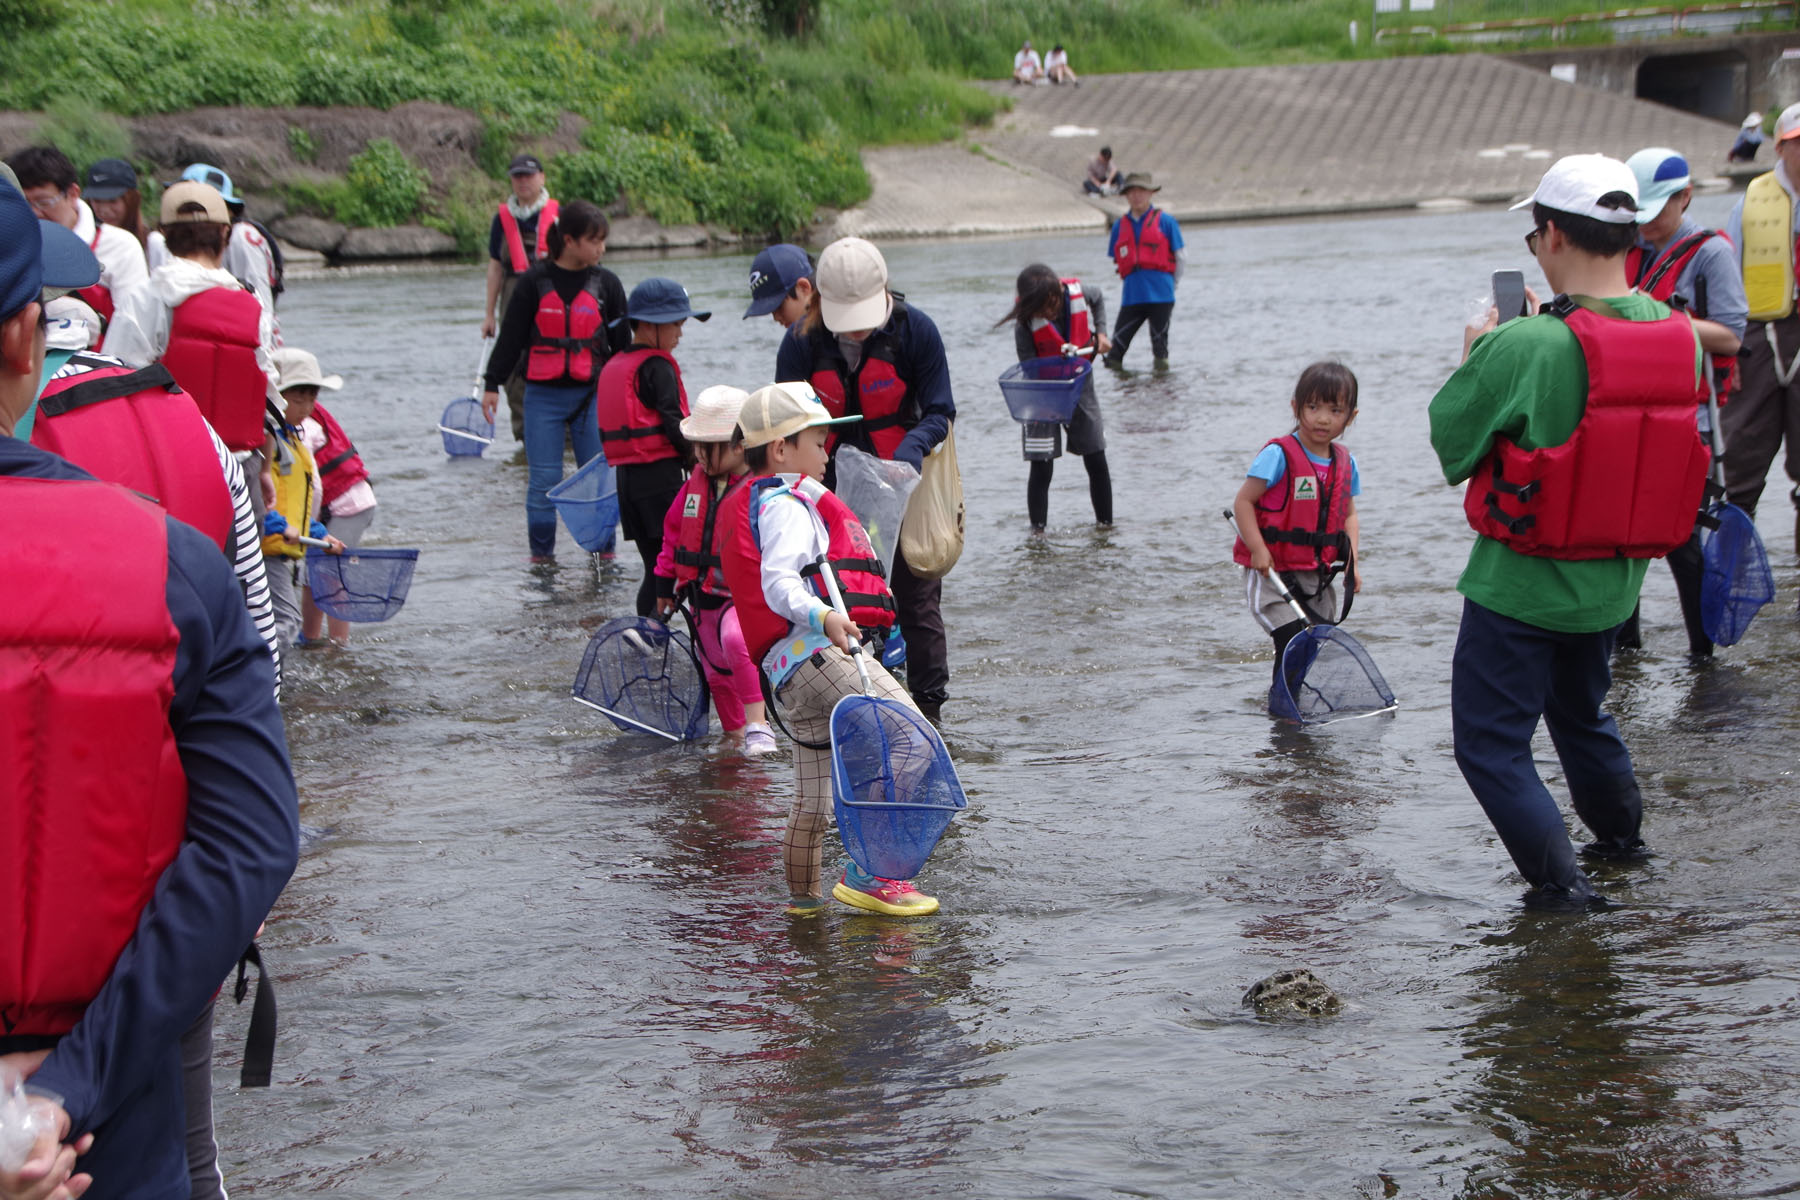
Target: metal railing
{"type": "Point", "coordinates": [1495, 21]}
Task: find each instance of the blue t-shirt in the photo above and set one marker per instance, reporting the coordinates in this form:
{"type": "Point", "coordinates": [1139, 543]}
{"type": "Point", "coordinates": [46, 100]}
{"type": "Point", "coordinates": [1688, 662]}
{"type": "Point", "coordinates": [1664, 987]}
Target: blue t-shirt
{"type": "Point", "coordinates": [1271, 467]}
{"type": "Point", "coordinates": [1146, 286]}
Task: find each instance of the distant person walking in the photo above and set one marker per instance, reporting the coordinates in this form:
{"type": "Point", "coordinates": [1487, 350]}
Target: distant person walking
{"type": "Point", "coordinates": [1027, 66]}
{"type": "Point", "coordinates": [1146, 249]}
{"type": "Point", "coordinates": [518, 236]}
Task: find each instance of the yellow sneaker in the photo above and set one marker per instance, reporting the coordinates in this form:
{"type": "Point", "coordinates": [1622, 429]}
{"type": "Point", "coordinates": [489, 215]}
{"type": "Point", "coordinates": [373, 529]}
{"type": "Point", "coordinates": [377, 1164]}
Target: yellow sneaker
{"type": "Point", "coordinates": [890, 897]}
{"type": "Point", "coordinates": [805, 906]}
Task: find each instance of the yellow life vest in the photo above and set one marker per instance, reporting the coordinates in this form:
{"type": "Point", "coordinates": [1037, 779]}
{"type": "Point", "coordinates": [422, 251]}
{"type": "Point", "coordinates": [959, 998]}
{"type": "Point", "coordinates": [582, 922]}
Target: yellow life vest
{"type": "Point", "coordinates": [295, 482]}
{"type": "Point", "coordinates": [1768, 249]}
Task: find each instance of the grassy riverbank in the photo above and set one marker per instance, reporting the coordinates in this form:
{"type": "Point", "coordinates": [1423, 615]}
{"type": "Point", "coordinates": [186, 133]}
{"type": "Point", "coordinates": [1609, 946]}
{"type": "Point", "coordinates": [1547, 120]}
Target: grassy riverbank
{"type": "Point", "coordinates": [742, 113]}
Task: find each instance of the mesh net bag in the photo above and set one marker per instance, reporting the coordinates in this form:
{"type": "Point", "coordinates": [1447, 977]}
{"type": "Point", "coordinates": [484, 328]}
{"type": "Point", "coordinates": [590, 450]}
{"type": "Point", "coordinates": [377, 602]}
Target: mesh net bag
{"type": "Point", "coordinates": [1326, 675]}
{"type": "Point", "coordinates": [644, 676]}
{"type": "Point", "coordinates": [893, 787]}
{"type": "Point", "coordinates": [359, 584]}
{"type": "Point", "coordinates": [1735, 581]}
{"type": "Point", "coordinates": [588, 503]}
{"type": "Point", "coordinates": [466, 431]}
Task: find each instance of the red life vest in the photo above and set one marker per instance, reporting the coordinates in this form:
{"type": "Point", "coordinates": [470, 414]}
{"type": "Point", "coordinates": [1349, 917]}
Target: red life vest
{"type": "Point", "coordinates": [515, 242]}
{"type": "Point", "coordinates": [876, 389]}
{"type": "Point", "coordinates": [138, 429]}
{"type": "Point", "coordinates": [1145, 251]}
{"type": "Point", "coordinates": [567, 339]}
{"type": "Point", "coordinates": [630, 430]}
{"type": "Point", "coordinates": [1302, 517]}
{"type": "Point", "coordinates": [340, 466]}
{"type": "Point", "coordinates": [93, 801]}
{"type": "Point", "coordinates": [1628, 481]}
{"type": "Point", "coordinates": [697, 542]}
{"type": "Point", "coordinates": [1070, 326]}
{"type": "Point", "coordinates": [213, 339]}
{"type": "Point", "coordinates": [859, 571]}
{"type": "Point", "coordinates": [99, 296]}
{"type": "Point", "coordinates": [1656, 277]}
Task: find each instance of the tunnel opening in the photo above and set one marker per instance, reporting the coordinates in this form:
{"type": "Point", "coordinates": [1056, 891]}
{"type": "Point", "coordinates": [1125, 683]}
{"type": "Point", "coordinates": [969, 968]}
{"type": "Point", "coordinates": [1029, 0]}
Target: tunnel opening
{"type": "Point", "coordinates": [1715, 84]}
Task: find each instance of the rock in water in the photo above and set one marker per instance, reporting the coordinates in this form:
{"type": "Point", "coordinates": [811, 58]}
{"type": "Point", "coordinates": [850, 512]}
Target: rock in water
{"type": "Point", "coordinates": [1297, 993]}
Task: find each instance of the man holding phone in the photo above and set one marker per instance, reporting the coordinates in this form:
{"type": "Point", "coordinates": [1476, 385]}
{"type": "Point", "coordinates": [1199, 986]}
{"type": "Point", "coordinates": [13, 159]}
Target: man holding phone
{"type": "Point", "coordinates": [1604, 378]}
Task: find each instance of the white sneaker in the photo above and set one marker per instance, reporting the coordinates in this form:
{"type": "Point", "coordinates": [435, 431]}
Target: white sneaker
{"type": "Point", "coordinates": [759, 740]}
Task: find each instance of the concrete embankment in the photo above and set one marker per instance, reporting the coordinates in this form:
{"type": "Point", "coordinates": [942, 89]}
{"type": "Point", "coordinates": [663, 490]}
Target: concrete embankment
{"type": "Point", "coordinates": [1259, 142]}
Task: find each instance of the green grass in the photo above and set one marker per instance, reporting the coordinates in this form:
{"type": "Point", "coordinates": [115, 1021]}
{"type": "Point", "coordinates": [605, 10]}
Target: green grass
{"type": "Point", "coordinates": [699, 109]}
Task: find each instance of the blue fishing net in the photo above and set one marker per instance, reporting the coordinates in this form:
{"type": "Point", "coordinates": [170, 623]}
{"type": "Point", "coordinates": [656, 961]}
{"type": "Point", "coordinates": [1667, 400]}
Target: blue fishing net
{"type": "Point", "coordinates": [1326, 675]}
{"type": "Point", "coordinates": [1735, 579]}
{"type": "Point", "coordinates": [466, 431]}
{"type": "Point", "coordinates": [645, 677]}
{"type": "Point", "coordinates": [893, 787]}
{"type": "Point", "coordinates": [588, 502]}
{"type": "Point", "coordinates": [1045, 389]}
{"type": "Point", "coordinates": [360, 584]}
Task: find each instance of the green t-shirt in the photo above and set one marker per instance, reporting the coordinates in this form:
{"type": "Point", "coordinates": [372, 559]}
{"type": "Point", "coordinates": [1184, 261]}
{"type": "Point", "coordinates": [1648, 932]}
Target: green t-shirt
{"type": "Point", "coordinates": [1527, 380]}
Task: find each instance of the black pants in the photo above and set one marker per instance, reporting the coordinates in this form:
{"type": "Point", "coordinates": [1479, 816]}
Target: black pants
{"type": "Point", "coordinates": [645, 492]}
{"type": "Point", "coordinates": [922, 627]}
{"type": "Point", "coordinates": [1688, 566]}
{"type": "Point", "coordinates": [1130, 318]}
{"type": "Point", "coordinates": [1037, 489]}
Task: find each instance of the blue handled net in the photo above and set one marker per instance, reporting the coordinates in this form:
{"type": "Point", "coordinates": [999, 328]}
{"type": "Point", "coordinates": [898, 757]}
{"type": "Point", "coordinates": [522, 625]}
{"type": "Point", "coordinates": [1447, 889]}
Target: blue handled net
{"type": "Point", "coordinates": [645, 677]}
{"type": "Point", "coordinates": [893, 787]}
{"type": "Point", "coordinates": [1326, 675]}
{"type": "Point", "coordinates": [359, 584]}
{"type": "Point", "coordinates": [466, 431]}
{"type": "Point", "coordinates": [588, 502]}
{"type": "Point", "coordinates": [1735, 579]}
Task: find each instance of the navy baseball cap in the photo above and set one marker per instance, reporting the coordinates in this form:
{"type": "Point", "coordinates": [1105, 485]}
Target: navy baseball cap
{"type": "Point", "coordinates": [35, 255]}
{"type": "Point", "coordinates": [660, 301]}
{"type": "Point", "coordinates": [108, 179]}
{"type": "Point", "coordinates": [525, 164]}
{"type": "Point", "coordinates": [773, 275]}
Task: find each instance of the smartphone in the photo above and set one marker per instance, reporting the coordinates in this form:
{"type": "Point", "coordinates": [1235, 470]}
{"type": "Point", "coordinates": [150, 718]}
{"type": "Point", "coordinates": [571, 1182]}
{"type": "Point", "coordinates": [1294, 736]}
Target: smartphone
{"type": "Point", "coordinates": [1509, 294]}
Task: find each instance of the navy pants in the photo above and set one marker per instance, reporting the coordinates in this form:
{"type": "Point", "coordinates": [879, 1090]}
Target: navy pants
{"type": "Point", "coordinates": [1131, 318]}
{"type": "Point", "coordinates": [1505, 676]}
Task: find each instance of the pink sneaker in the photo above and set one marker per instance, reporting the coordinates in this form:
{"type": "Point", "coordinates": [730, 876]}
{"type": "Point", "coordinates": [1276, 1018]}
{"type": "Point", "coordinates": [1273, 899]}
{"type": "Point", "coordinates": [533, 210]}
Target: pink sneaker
{"type": "Point", "coordinates": [890, 897]}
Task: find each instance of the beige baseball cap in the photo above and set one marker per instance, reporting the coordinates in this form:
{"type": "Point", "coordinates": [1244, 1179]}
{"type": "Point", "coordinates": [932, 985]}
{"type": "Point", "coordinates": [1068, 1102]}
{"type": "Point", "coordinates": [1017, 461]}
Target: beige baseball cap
{"type": "Point", "coordinates": [188, 192]}
{"type": "Point", "coordinates": [852, 279]}
{"type": "Point", "coordinates": [715, 414]}
{"type": "Point", "coordinates": [781, 410]}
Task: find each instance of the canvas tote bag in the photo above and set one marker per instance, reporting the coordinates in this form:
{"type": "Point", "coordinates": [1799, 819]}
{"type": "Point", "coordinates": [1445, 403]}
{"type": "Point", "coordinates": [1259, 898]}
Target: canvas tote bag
{"type": "Point", "coordinates": [931, 534]}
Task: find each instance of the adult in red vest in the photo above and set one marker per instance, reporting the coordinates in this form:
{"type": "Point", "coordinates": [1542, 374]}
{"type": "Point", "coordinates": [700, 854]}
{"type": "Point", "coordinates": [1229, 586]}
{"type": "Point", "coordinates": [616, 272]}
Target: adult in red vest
{"type": "Point", "coordinates": [641, 404]}
{"type": "Point", "coordinates": [566, 317]}
{"type": "Point", "coordinates": [1146, 249]}
{"type": "Point", "coordinates": [1583, 397]}
{"type": "Point", "coordinates": [205, 326]}
{"type": "Point", "coordinates": [867, 352]}
{"type": "Point", "coordinates": [135, 694]}
{"type": "Point", "coordinates": [518, 236]}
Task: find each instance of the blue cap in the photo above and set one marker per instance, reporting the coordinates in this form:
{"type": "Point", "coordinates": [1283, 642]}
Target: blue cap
{"type": "Point", "coordinates": [213, 177]}
{"type": "Point", "coordinates": [773, 275]}
{"type": "Point", "coordinates": [661, 302]}
{"type": "Point", "coordinates": [35, 255]}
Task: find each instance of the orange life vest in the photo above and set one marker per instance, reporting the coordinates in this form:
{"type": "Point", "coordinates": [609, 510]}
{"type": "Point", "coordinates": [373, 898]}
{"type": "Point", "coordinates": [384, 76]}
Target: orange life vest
{"type": "Point", "coordinates": [515, 241]}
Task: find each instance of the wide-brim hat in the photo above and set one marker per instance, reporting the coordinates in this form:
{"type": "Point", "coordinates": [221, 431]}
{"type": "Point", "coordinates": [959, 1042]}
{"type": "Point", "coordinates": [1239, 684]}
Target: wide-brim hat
{"type": "Point", "coordinates": [300, 368]}
{"type": "Point", "coordinates": [715, 414]}
{"type": "Point", "coordinates": [1661, 173]}
{"type": "Point", "coordinates": [1141, 179]}
{"type": "Point", "coordinates": [852, 280]}
{"type": "Point", "coordinates": [780, 410]}
{"type": "Point", "coordinates": [1579, 183]}
{"type": "Point", "coordinates": [661, 301]}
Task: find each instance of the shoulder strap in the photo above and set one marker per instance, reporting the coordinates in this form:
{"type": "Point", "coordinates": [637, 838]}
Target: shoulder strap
{"type": "Point", "coordinates": [84, 392]}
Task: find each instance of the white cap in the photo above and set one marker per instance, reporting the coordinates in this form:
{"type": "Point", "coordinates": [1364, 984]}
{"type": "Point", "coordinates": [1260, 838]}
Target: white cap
{"type": "Point", "coordinates": [70, 324]}
{"type": "Point", "coordinates": [715, 414]}
{"type": "Point", "coordinates": [298, 368]}
{"type": "Point", "coordinates": [1787, 125]}
{"type": "Point", "coordinates": [852, 280]}
{"type": "Point", "coordinates": [781, 410]}
{"type": "Point", "coordinates": [1576, 185]}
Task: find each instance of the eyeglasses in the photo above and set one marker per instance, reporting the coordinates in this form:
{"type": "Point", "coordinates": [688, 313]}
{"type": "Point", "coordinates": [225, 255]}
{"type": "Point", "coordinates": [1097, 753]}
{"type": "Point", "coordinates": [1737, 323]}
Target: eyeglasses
{"type": "Point", "coordinates": [47, 204]}
{"type": "Point", "coordinates": [1531, 240]}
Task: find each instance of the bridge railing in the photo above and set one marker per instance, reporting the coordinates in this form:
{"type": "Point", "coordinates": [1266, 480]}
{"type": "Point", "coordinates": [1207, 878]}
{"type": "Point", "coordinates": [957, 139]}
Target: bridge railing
{"type": "Point", "coordinates": [1499, 21]}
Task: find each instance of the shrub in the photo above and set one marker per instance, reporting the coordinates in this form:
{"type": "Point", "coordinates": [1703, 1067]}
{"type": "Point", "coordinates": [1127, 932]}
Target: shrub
{"type": "Point", "coordinates": [383, 187]}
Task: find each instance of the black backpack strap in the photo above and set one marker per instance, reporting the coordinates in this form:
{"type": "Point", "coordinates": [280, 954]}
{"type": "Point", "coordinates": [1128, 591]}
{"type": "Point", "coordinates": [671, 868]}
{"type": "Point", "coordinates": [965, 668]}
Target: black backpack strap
{"type": "Point", "coordinates": [96, 391]}
{"type": "Point", "coordinates": [259, 1045]}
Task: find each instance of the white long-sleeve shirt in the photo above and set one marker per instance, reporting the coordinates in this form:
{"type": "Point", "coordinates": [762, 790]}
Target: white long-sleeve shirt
{"type": "Point", "coordinates": [122, 267]}
{"type": "Point", "coordinates": [793, 538]}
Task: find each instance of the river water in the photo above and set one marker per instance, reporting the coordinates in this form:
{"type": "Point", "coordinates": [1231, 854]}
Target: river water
{"type": "Point", "coordinates": [526, 954]}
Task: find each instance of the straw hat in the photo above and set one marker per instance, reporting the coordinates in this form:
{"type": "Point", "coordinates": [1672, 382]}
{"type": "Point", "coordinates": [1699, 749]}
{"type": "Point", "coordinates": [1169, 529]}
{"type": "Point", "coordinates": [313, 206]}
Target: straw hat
{"type": "Point", "coordinates": [715, 414]}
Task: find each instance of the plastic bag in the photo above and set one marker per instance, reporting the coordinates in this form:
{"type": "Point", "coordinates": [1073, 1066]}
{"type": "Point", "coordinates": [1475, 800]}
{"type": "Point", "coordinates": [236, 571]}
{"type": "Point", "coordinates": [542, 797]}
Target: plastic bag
{"type": "Point", "coordinates": [931, 536]}
{"type": "Point", "coordinates": [21, 1120]}
{"type": "Point", "coordinates": [877, 490]}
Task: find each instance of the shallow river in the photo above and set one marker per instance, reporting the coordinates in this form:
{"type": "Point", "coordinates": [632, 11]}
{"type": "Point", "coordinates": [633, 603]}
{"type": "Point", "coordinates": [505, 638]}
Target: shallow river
{"type": "Point", "coordinates": [530, 955]}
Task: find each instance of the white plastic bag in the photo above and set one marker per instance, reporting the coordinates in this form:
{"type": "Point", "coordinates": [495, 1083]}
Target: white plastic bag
{"type": "Point", "coordinates": [931, 536]}
{"type": "Point", "coordinates": [21, 1120]}
{"type": "Point", "coordinates": [876, 489]}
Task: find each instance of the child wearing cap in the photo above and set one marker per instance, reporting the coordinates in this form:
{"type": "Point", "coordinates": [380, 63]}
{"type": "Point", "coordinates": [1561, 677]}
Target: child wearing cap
{"type": "Point", "coordinates": [1147, 250]}
{"type": "Point", "coordinates": [1557, 566]}
{"type": "Point", "coordinates": [295, 511]}
{"type": "Point", "coordinates": [689, 566]}
{"type": "Point", "coordinates": [781, 284]}
{"type": "Point", "coordinates": [786, 527]}
{"type": "Point", "coordinates": [1677, 256]}
{"type": "Point", "coordinates": [641, 404]}
{"type": "Point", "coordinates": [347, 501]}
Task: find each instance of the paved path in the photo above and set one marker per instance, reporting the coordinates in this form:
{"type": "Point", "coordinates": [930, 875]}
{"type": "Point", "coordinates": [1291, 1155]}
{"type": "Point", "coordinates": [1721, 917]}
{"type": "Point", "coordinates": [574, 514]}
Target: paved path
{"type": "Point", "coordinates": [1270, 141]}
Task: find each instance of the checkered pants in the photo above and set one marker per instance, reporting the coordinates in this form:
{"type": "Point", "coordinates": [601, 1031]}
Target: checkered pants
{"type": "Point", "coordinates": [807, 700]}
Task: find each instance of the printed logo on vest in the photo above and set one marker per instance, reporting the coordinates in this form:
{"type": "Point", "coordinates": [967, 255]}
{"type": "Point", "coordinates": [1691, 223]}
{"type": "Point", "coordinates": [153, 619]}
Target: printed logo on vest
{"type": "Point", "coordinates": [691, 506]}
{"type": "Point", "coordinates": [1306, 489]}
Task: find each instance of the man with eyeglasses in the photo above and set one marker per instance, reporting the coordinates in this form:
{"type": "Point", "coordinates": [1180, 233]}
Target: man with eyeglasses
{"type": "Point", "coordinates": [49, 182]}
{"type": "Point", "coordinates": [1575, 431]}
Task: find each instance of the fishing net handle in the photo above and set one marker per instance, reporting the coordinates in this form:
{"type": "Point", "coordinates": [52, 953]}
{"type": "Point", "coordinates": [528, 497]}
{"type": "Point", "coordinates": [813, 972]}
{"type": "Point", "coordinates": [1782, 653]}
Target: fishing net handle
{"type": "Point", "coordinates": [487, 351]}
{"type": "Point", "coordinates": [1276, 581]}
{"type": "Point", "coordinates": [837, 603]}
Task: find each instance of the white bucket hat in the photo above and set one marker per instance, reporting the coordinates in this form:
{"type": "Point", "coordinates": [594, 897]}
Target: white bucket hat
{"type": "Point", "coordinates": [715, 414]}
{"type": "Point", "coordinates": [299, 367]}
